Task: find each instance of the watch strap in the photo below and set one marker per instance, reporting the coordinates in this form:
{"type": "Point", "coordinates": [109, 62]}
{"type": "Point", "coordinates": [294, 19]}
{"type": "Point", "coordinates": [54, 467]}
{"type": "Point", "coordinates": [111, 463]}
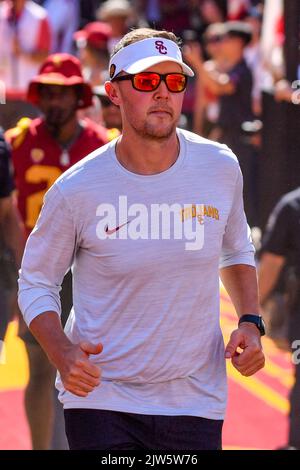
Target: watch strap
{"type": "Point", "coordinates": [255, 319]}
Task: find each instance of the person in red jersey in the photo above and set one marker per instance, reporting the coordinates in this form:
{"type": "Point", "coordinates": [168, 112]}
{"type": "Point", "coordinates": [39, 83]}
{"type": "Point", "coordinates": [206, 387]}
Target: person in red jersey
{"type": "Point", "coordinates": [42, 149]}
{"type": "Point", "coordinates": [45, 147]}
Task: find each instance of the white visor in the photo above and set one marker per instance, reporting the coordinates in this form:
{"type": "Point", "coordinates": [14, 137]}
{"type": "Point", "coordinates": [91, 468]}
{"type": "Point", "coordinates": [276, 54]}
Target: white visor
{"type": "Point", "coordinates": [141, 55]}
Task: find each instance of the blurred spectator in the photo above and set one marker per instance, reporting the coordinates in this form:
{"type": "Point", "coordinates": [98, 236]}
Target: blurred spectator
{"type": "Point", "coordinates": [64, 20]}
{"type": "Point", "coordinates": [192, 108]}
{"type": "Point", "coordinates": [25, 41]}
{"type": "Point", "coordinates": [281, 249]}
{"type": "Point", "coordinates": [119, 15]}
{"type": "Point", "coordinates": [11, 238]}
{"type": "Point", "coordinates": [42, 149]}
{"type": "Point", "coordinates": [233, 86]}
{"type": "Point", "coordinates": [111, 114]}
{"type": "Point", "coordinates": [92, 43]}
{"type": "Point", "coordinates": [206, 122]}
{"type": "Point", "coordinates": [236, 109]}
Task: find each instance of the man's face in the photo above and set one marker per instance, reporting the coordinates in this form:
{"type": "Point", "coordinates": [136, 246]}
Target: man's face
{"type": "Point", "coordinates": [213, 46]}
{"type": "Point", "coordinates": [231, 46]}
{"type": "Point", "coordinates": [58, 103]}
{"type": "Point", "coordinates": [152, 115]}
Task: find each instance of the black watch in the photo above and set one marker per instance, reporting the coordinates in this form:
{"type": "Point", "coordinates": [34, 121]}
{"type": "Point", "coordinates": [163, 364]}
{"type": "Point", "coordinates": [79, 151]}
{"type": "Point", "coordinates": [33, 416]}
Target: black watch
{"type": "Point", "coordinates": [256, 319]}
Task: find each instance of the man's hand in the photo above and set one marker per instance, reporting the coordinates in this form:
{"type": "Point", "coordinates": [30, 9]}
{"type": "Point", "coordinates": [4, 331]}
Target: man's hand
{"type": "Point", "coordinates": [78, 374]}
{"type": "Point", "coordinates": [246, 337]}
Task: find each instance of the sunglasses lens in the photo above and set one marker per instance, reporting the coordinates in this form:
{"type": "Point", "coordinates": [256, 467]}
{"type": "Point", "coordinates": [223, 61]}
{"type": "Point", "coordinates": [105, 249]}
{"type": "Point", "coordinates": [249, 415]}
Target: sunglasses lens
{"type": "Point", "coordinates": [146, 81]}
{"type": "Point", "coordinates": [176, 82]}
{"type": "Point", "coordinates": [149, 81]}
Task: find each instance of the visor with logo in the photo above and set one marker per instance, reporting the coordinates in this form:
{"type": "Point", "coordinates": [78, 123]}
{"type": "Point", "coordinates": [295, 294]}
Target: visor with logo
{"type": "Point", "coordinates": [141, 55]}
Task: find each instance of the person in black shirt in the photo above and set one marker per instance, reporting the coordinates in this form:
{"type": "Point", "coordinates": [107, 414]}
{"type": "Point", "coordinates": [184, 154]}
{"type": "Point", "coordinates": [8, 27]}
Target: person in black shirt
{"type": "Point", "coordinates": [281, 249]}
{"type": "Point", "coordinates": [11, 238]}
{"type": "Point", "coordinates": [233, 86]}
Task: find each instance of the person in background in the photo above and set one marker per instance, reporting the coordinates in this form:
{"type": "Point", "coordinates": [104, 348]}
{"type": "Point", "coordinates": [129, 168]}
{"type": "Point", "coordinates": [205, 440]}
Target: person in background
{"type": "Point", "coordinates": [111, 114]}
{"type": "Point", "coordinates": [281, 250]}
{"type": "Point", "coordinates": [207, 107]}
{"type": "Point", "coordinates": [119, 15]}
{"type": "Point", "coordinates": [11, 239]}
{"type": "Point", "coordinates": [233, 86]}
{"type": "Point", "coordinates": [25, 41]}
{"type": "Point", "coordinates": [42, 149]}
{"type": "Point", "coordinates": [92, 44]}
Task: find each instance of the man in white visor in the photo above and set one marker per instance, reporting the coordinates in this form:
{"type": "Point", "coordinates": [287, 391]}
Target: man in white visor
{"type": "Point", "coordinates": [147, 223]}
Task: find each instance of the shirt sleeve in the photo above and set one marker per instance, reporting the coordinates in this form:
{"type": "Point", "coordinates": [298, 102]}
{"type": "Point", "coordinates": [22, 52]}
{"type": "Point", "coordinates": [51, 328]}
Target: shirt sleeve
{"type": "Point", "coordinates": [6, 179]}
{"type": "Point", "coordinates": [237, 247]}
{"type": "Point", "coordinates": [48, 255]}
{"type": "Point", "coordinates": [277, 237]}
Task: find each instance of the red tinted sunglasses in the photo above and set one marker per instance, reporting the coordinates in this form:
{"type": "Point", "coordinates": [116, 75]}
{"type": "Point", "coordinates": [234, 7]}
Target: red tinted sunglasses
{"type": "Point", "coordinates": [150, 81]}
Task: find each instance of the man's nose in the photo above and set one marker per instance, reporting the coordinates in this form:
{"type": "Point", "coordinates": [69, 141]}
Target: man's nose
{"type": "Point", "coordinates": [55, 102]}
{"type": "Point", "coordinates": [55, 99]}
{"type": "Point", "coordinates": [162, 91]}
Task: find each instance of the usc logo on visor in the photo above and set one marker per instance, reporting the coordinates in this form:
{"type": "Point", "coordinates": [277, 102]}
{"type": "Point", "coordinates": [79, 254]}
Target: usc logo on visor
{"type": "Point", "coordinates": [159, 45]}
{"type": "Point", "coordinates": [150, 81]}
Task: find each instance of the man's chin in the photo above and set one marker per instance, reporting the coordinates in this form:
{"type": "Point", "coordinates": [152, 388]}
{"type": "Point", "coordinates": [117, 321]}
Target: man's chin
{"type": "Point", "coordinates": [55, 125]}
{"type": "Point", "coordinates": [159, 132]}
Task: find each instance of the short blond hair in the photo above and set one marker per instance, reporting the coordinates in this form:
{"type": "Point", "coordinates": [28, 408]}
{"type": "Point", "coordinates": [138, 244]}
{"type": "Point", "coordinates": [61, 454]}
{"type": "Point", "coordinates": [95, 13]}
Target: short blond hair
{"type": "Point", "coordinates": [139, 34]}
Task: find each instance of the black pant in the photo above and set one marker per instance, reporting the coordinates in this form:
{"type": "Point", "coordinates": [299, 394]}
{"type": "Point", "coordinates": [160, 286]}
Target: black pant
{"type": "Point", "coordinates": [89, 429]}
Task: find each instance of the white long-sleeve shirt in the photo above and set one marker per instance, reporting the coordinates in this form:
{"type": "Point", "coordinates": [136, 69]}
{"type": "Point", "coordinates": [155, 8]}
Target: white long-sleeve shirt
{"type": "Point", "coordinates": [145, 254]}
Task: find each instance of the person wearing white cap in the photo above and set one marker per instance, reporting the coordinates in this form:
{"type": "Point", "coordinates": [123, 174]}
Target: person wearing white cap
{"type": "Point", "coordinates": [119, 14]}
{"type": "Point", "coordinates": [146, 222]}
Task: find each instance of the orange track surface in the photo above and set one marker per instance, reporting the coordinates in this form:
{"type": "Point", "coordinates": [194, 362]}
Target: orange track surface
{"type": "Point", "coordinates": [257, 408]}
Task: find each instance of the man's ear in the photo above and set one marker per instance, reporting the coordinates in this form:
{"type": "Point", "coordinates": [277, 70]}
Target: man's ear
{"type": "Point", "coordinates": [112, 92]}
